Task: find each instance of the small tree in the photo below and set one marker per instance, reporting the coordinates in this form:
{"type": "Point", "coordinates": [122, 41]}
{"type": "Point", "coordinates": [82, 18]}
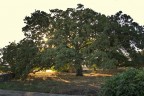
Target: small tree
{"type": "Point", "coordinates": [20, 58]}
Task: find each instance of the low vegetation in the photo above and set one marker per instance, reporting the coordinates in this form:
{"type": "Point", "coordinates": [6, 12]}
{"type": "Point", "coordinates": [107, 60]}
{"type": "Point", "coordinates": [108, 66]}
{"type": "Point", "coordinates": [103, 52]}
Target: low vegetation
{"type": "Point", "coordinates": [129, 83]}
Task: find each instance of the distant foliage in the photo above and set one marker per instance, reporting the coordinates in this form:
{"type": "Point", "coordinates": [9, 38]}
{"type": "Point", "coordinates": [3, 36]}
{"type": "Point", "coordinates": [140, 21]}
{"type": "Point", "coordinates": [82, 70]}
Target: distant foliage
{"type": "Point", "coordinates": [129, 83]}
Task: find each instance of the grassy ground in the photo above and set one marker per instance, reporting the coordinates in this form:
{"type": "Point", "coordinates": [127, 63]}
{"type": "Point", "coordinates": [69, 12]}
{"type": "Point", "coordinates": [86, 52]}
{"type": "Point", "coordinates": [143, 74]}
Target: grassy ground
{"type": "Point", "coordinates": [60, 83]}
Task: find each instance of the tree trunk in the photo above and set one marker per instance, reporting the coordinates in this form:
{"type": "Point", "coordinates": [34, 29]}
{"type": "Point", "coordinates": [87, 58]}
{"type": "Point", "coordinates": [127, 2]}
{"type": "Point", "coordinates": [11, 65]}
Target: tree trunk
{"type": "Point", "coordinates": [78, 61]}
{"type": "Point", "coordinates": [79, 70]}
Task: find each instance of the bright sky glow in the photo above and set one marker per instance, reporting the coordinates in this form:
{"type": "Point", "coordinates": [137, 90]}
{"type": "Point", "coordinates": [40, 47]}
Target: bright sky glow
{"type": "Point", "coordinates": [12, 12]}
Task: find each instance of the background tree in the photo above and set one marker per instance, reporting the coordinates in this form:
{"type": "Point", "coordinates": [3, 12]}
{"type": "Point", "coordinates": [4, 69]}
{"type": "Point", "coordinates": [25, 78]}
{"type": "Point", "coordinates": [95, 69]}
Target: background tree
{"type": "Point", "coordinates": [126, 34]}
{"type": "Point", "coordinates": [9, 55]}
{"type": "Point", "coordinates": [118, 40]}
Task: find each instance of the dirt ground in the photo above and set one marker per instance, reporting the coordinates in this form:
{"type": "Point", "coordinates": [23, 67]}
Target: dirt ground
{"type": "Point", "coordinates": [55, 84]}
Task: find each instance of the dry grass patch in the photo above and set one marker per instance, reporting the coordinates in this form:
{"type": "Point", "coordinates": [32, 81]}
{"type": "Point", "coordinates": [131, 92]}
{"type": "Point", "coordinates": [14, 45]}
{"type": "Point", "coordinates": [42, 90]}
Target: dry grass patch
{"type": "Point", "coordinates": [60, 83]}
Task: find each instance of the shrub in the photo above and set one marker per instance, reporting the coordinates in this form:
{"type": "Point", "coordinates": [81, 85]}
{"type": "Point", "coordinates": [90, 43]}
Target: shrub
{"type": "Point", "coordinates": [19, 58]}
{"type": "Point", "coordinates": [129, 83]}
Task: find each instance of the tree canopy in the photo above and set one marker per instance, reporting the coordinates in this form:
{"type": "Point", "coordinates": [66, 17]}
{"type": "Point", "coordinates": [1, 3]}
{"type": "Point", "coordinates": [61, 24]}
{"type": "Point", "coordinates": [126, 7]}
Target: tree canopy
{"type": "Point", "coordinates": [77, 36]}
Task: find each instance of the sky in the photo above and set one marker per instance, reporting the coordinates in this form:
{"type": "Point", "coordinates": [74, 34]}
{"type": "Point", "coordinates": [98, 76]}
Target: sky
{"type": "Point", "coordinates": [12, 12]}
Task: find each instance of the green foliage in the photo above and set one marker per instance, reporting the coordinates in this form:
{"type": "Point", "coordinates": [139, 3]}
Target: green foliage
{"type": "Point", "coordinates": [47, 58]}
{"type": "Point", "coordinates": [36, 27]}
{"type": "Point", "coordinates": [126, 33]}
{"type": "Point", "coordinates": [19, 58]}
{"type": "Point", "coordinates": [129, 83]}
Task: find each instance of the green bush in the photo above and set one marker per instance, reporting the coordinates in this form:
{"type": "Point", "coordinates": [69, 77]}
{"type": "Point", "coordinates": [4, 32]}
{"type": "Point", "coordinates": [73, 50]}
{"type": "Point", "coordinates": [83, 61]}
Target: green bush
{"type": "Point", "coordinates": [129, 83]}
{"type": "Point", "coordinates": [19, 58]}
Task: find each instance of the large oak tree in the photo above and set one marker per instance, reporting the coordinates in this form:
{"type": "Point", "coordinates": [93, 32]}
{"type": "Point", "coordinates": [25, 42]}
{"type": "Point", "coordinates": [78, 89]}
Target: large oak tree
{"type": "Point", "coordinates": [80, 36]}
